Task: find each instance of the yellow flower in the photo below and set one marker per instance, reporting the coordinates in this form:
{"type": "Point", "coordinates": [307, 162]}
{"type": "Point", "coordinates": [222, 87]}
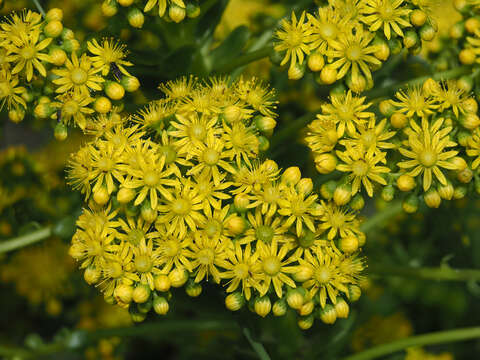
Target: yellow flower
{"type": "Point", "coordinates": [150, 177]}
{"type": "Point", "coordinates": [208, 255]}
{"type": "Point", "coordinates": [257, 94]}
{"type": "Point", "coordinates": [391, 14]}
{"type": "Point", "coordinates": [363, 167]}
{"type": "Point", "coordinates": [21, 24]}
{"type": "Point", "coordinates": [146, 262]}
{"type": "Point", "coordinates": [473, 148]}
{"type": "Point", "coordinates": [338, 220]}
{"type": "Point", "coordinates": [211, 194]}
{"type": "Point", "coordinates": [294, 38]}
{"type": "Point", "coordinates": [241, 144]}
{"type": "Point", "coordinates": [79, 167]}
{"type": "Point", "coordinates": [353, 52]}
{"type": "Point", "coordinates": [275, 267]}
{"type": "Point", "coordinates": [449, 95]}
{"type": "Point", "coordinates": [10, 91]}
{"type": "Point", "coordinates": [214, 224]}
{"type": "Point", "coordinates": [267, 198]}
{"type": "Point", "coordinates": [300, 209]}
{"type": "Point", "coordinates": [25, 51]}
{"type": "Point", "coordinates": [425, 149]}
{"type": "Point", "coordinates": [325, 27]}
{"type": "Point", "coordinates": [210, 159]}
{"type": "Point", "coordinates": [181, 209]}
{"type": "Point", "coordinates": [109, 56]}
{"type": "Point", "coordinates": [179, 88]}
{"type": "Point", "coordinates": [263, 229]}
{"type": "Point", "coordinates": [74, 106]}
{"type": "Point", "coordinates": [370, 137]}
{"type": "Point", "coordinates": [101, 220]}
{"type": "Point", "coordinates": [347, 110]}
{"type": "Point", "coordinates": [169, 150]}
{"type": "Point", "coordinates": [173, 250]}
{"type": "Point", "coordinates": [249, 178]}
{"type": "Point", "coordinates": [78, 75]}
{"type": "Point", "coordinates": [414, 101]}
{"type": "Point", "coordinates": [242, 268]}
{"type": "Point", "coordinates": [322, 135]}
{"type": "Point", "coordinates": [91, 246]}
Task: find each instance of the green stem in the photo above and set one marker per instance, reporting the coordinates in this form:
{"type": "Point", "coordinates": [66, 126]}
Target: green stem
{"type": "Point", "coordinates": [245, 59]}
{"type": "Point", "coordinates": [39, 7]}
{"type": "Point", "coordinates": [292, 129]}
{"type": "Point", "coordinates": [24, 240]}
{"type": "Point", "coordinates": [445, 273]}
{"type": "Point", "coordinates": [257, 346]}
{"type": "Point", "coordinates": [381, 216]}
{"type": "Point", "coordinates": [444, 75]}
{"type": "Point", "coordinates": [440, 337]}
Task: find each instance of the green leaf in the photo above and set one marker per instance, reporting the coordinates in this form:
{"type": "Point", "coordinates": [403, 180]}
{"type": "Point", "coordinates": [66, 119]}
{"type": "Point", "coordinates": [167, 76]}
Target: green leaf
{"type": "Point", "coordinates": [231, 47]}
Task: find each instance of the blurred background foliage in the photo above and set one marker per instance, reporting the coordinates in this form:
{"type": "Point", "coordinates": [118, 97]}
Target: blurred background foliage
{"type": "Point", "coordinates": [48, 308]}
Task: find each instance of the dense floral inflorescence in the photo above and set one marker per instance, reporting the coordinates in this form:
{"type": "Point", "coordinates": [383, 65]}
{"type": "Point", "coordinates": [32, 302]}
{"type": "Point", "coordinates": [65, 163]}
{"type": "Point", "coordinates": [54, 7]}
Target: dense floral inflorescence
{"type": "Point", "coordinates": [423, 142]}
{"type": "Point", "coordinates": [177, 197]}
{"type": "Point", "coordinates": [44, 70]}
{"type": "Point", "coordinates": [348, 40]}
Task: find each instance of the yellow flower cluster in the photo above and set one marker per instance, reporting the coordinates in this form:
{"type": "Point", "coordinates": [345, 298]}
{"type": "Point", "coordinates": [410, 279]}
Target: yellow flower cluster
{"type": "Point", "coordinates": [178, 197]}
{"type": "Point", "coordinates": [169, 10]}
{"type": "Point", "coordinates": [348, 39]}
{"type": "Point", "coordinates": [426, 138]}
{"type": "Point", "coordinates": [42, 68]}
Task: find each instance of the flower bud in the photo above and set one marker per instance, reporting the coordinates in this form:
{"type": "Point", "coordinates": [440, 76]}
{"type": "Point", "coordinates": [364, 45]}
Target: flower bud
{"type": "Point", "coordinates": [130, 83]}
{"type": "Point", "coordinates": [147, 213]}
{"type": "Point", "coordinates": [125, 195]}
{"type": "Point", "coordinates": [279, 307]}
{"type": "Point", "coordinates": [316, 62]}
{"type": "Point", "coordinates": [70, 45]}
{"type": "Point", "coordinates": [457, 31]}
{"type": "Point", "coordinates": [234, 301]}
{"type": "Point", "coordinates": [418, 17]}
{"type": "Point", "coordinates": [92, 275]}
{"type": "Point", "coordinates": [232, 113]}
{"type": "Point", "coordinates": [136, 315]}
{"type": "Point", "coordinates": [162, 283]}
{"type": "Point", "coordinates": [141, 293]}
{"type": "Point", "coordinates": [160, 305]}
{"type": "Point", "coordinates": [135, 18]}
{"type": "Point", "coordinates": [109, 8]}
{"type": "Point", "coordinates": [60, 132]}
{"type": "Point", "coordinates": [305, 322]}
{"type": "Point", "coordinates": [465, 83]}
{"type": "Point", "coordinates": [193, 10]}
{"type": "Point", "coordinates": [467, 56]}
{"type": "Point", "coordinates": [57, 56]}
{"type": "Point", "coordinates": [125, 3]}
{"type": "Point", "coordinates": [176, 13]}
{"type": "Point", "coordinates": [146, 306]}
{"type": "Point", "coordinates": [305, 186]}
{"type": "Point", "coordinates": [446, 191]}
{"type": "Point", "coordinates": [236, 225]}
{"type": "Point", "coordinates": [342, 194]}
{"type": "Point", "coordinates": [431, 86]}
{"type": "Point", "coordinates": [432, 198]}
{"type": "Point", "coordinates": [386, 108]}
{"type": "Point", "coordinates": [178, 277]}
{"type": "Point", "coordinates": [341, 308]}
{"type": "Point", "coordinates": [325, 163]}
{"type": "Point", "coordinates": [463, 137]}
{"type": "Point", "coordinates": [354, 292]}
{"type": "Point", "coordinates": [296, 72]}
{"type": "Point", "coordinates": [357, 84]}
{"type": "Point", "coordinates": [241, 202]}
{"type": "Point", "coordinates": [459, 162]}
{"type": "Point", "coordinates": [328, 75]}
{"type": "Point", "coordinates": [262, 306]}
{"type": "Point", "coordinates": [362, 238]}
{"type": "Point", "coordinates": [307, 308]}
{"type": "Point", "coordinates": [357, 202]}
{"type": "Point", "coordinates": [328, 189]}
{"type": "Point", "coordinates": [470, 105]}
{"type": "Point", "coordinates": [265, 124]}
{"type": "Point", "coordinates": [101, 196]}
{"type": "Point", "coordinates": [465, 176]}
{"type": "Point", "coordinates": [303, 273]}
{"type": "Point", "coordinates": [54, 14]}
{"type": "Point", "coordinates": [410, 204]}
{"type": "Point", "coordinates": [53, 29]}
{"type": "Point", "coordinates": [470, 121]}
{"type": "Point", "coordinates": [291, 175]}
{"type": "Point", "coordinates": [193, 289]}
{"type": "Point", "coordinates": [43, 111]}
{"type": "Point", "coordinates": [114, 90]}
{"type": "Point", "coordinates": [388, 193]}
{"type": "Point", "coordinates": [328, 314]}
{"type": "Point", "coordinates": [263, 143]}
{"type": "Point", "coordinates": [459, 192]}
{"type": "Point", "coordinates": [295, 298]}
{"type": "Point", "coordinates": [16, 115]}
{"type": "Point", "coordinates": [472, 25]}
{"type": "Point", "coordinates": [349, 244]}
{"type": "Point", "coordinates": [123, 293]}
{"type": "Point", "coordinates": [383, 50]}
{"type": "Point", "coordinates": [398, 120]}
{"type": "Point", "coordinates": [410, 39]}
{"type": "Point", "coordinates": [405, 182]}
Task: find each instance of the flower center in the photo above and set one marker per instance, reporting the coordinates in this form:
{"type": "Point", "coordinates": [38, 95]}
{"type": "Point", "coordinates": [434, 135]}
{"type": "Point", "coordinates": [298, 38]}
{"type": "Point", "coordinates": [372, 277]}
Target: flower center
{"type": "Point", "coordinates": [369, 138]}
{"type": "Point", "coordinates": [322, 274]}
{"type": "Point", "coordinates": [28, 52]}
{"type": "Point", "coordinates": [114, 269]}
{"type": "Point", "coordinates": [360, 168]}
{"type": "Point", "coordinates": [169, 153]}
{"type": "Point", "coordinates": [211, 156]}
{"type": "Point", "coordinates": [198, 132]}
{"type": "Point", "coordinates": [294, 38]}
{"type": "Point", "coordinates": [70, 107]}
{"type": "Point", "coordinates": [328, 31]}
{"type": "Point", "coordinates": [386, 12]}
{"type": "Point", "coordinates": [427, 158]}
{"type": "Point", "coordinates": [5, 89]}
{"type": "Point", "coordinates": [306, 240]}
{"type": "Point", "coordinates": [271, 266]}
{"type": "Point", "coordinates": [241, 271]}
{"type": "Point", "coordinates": [105, 164]}
{"type": "Point", "coordinates": [354, 53]}
{"type": "Point", "coordinates": [213, 227]}
{"type": "Point", "coordinates": [181, 206]}
{"type": "Point", "coordinates": [95, 249]}
{"type": "Point", "coordinates": [171, 248]}
{"type": "Point", "coordinates": [345, 113]}
{"type": "Point", "coordinates": [151, 178]}
{"type": "Point", "coordinates": [264, 233]}
{"type": "Point", "coordinates": [143, 263]}
{"type": "Point", "coordinates": [135, 236]}
{"type": "Point", "coordinates": [270, 195]}
{"type": "Point", "coordinates": [206, 256]}
{"type": "Point", "coordinates": [79, 76]}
